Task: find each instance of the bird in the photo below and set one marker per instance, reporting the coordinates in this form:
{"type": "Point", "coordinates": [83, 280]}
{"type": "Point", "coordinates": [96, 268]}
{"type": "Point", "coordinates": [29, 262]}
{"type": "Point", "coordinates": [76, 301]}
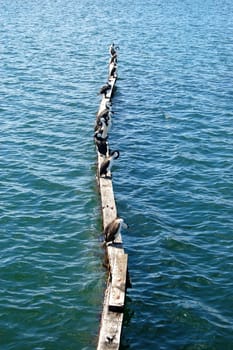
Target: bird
{"type": "Point", "coordinates": [104, 89]}
{"type": "Point", "coordinates": [113, 229]}
{"type": "Point", "coordinates": [101, 143]}
{"type": "Point", "coordinates": [112, 49]}
{"type": "Point", "coordinates": [106, 165]}
{"type": "Point", "coordinates": [102, 127]}
{"type": "Point", "coordinates": [113, 71]}
{"type": "Point", "coordinates": [99, 123]}
{"type": "Point", "coordinates": [103, 114]}
{"type": "Point", "coordinates": [113, 59]}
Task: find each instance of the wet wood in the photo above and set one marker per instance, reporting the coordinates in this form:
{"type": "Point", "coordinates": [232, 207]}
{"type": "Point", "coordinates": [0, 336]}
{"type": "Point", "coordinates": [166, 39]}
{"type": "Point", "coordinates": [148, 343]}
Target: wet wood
{"type": "Point", "coordinates": [118, 287]}
{"type": "Point", "coordinates": [114, 299]}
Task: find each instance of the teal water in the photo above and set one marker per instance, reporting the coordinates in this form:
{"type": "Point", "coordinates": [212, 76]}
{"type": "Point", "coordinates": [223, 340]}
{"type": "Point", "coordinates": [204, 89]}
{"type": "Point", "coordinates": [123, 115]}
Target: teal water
{"type": "Point", "coordinates": [173, 182]}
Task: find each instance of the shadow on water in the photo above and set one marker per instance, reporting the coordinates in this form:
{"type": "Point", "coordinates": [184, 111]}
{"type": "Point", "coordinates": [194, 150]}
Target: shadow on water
{"type": "Point", "coordinates": [128, 314]}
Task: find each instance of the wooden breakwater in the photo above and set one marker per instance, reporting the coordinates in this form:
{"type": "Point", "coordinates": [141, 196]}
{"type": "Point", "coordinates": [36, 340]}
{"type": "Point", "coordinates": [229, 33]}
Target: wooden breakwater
{"type": "Point", "coordinates": [114, 298]}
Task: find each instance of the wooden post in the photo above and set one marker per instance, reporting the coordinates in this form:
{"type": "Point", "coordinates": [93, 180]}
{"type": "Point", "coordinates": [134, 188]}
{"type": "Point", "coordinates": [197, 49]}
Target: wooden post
{"type": "Point", "coordinates": [114, 299]}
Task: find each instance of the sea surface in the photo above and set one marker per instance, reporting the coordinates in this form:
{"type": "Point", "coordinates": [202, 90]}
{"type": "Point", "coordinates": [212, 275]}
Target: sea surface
{"type": "Point", "coordinates": [173, 182]}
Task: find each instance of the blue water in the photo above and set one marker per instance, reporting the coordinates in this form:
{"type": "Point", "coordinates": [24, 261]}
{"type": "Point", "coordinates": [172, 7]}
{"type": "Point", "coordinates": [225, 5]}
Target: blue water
{"type": "Point", "coordinates": [173, 183]}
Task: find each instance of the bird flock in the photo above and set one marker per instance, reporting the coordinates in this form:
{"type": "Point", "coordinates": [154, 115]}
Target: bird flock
{"type": "Point", "coordinates": [102, 126]}
{"type": "Point", "coordinates": [104, 119]}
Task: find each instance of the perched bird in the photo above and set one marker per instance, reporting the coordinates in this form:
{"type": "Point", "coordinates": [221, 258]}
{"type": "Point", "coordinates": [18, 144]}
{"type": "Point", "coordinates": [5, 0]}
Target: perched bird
{"type": "Point", "coordinates": [103, 114]}
{"type": "Point", "coordinates": [113, 59]}
{"type": "Point", "coordinates": [105, 167]}
{"type": "Point", "coordinates": [104, 89]}
{"type": "Point", "coordinates": [102, 128]}
{"type": "Point", "coordinates": [113, 230]}
{"type": "Point", "coordinates": [101, 143]}
{"type": "Point", "coordinates": [113, 72]}
{"type": "Point", "coordinates": [112, 49]}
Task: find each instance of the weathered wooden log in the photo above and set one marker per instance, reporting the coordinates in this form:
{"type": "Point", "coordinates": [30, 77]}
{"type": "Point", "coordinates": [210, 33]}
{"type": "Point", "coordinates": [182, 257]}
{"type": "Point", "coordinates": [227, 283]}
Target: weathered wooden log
{"type": "Point", "coordinates": [114, 300]}
{"type": "Point", "coordinates": [118, 287]}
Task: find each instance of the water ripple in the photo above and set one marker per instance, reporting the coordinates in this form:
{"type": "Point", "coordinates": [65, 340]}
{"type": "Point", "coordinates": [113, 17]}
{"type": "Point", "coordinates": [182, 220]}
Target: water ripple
{"type": "Point", "coordinates": [173, 181]}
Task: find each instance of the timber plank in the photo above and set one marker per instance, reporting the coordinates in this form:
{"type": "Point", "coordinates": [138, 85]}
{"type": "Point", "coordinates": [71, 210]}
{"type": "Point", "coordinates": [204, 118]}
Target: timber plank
{"type": "Point", "coordinates": [114, 298]}
{"type": "Point", "coordinates": [111, 326]}
{"type": "Point", "coordinates": [109, 211]}
{"type": "Point", "coordinates": [118, 288]}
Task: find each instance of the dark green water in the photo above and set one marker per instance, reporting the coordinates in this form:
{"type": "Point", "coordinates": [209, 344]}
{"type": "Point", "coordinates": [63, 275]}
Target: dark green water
{"type": "Point", "coordinates": [173, 182]}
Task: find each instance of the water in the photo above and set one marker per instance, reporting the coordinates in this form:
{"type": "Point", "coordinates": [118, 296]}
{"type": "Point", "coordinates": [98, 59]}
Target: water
{"type": "Point", "coordinates": [173, 181]}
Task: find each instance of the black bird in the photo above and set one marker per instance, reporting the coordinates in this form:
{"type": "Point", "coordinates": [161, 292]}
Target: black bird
{"type": "Point", "coordinates": [113, 71]}
{"type": "Point", "coordinates": [104, 89]}
{"type": "Point", "coordinates": [101, 143]}
{"type": "Point", "coordinates": [113, 230]}
{"type": "Point", "coordinates": [102, 127]}
{"type": "Point", "coordinates": [104, 114]}
{"type": "Point", "coordinates": [100, 123]}
{"type": "Point", "coordinates": [112, 49]}
{"type": "Point", "coordinates": [106, 166]}
{"type": "Point", "coordinates": [113, 59]}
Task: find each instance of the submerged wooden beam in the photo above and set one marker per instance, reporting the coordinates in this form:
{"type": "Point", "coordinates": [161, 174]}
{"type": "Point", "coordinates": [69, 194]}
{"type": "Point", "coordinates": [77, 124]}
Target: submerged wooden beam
{"type": "Point", "coordinates": [114, 299]}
